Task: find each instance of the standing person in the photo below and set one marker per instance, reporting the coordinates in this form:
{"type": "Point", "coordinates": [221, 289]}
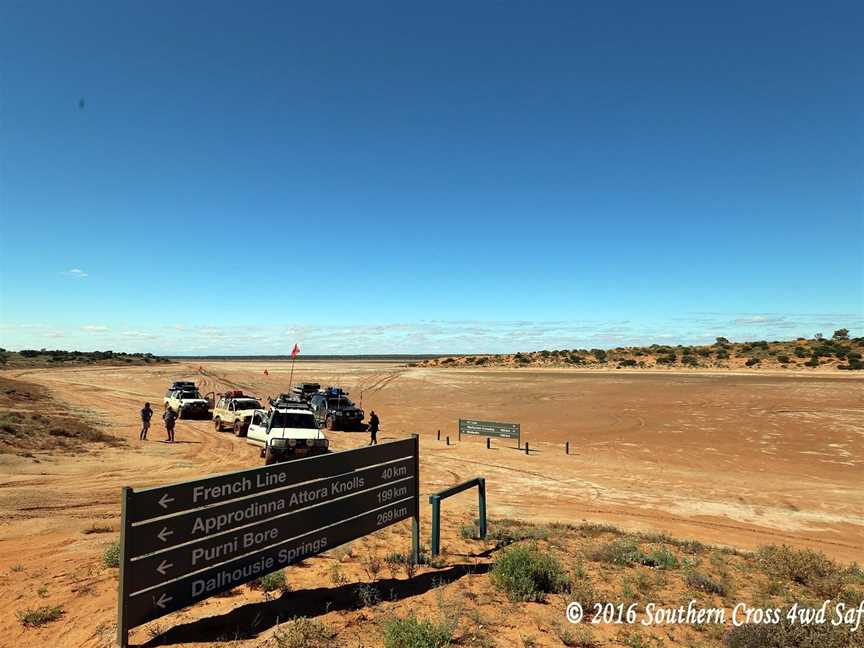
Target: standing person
{"type": "Point", "coordinates": [373, 428]}
{"type": "Point", "coordinates": [146, 415]}
{"type": "Point", "coordinates": [169, 417]}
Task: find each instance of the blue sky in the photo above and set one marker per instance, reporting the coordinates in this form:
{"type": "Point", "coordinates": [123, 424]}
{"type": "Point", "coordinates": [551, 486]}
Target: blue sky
{"type": "Point", "coordinates": [381, 177]}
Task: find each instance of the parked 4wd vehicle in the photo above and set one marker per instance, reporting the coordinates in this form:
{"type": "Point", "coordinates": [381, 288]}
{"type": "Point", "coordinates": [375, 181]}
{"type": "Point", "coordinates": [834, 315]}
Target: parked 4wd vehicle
{"type": "Point", "coordinates": [235, 410]}
{"type": "Point", "coordinates": [187, 402]}
{"type": "Point", "coordinates": [305, 391]}
{"type": "Point", "coordinates": [286, 433]}
{"type": "Point", "coordinates": [335, 411]}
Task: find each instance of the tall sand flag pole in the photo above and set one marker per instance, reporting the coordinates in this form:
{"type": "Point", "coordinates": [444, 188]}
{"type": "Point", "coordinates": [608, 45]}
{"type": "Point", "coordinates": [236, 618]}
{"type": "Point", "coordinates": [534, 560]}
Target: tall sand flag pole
{"type": "Point", "coordinates": [294, 353]}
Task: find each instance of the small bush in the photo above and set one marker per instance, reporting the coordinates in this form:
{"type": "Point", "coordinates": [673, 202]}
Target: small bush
{"type": "Point", "coordinates": [303, 633]}
{"type": "Point", "coordinates": [35, 617]}
{"type": "Point", "coordinates": [789, 635]}
{"type": "Point", "coordinates": [270, 582]}
{"type": "Point", "coordinates": [527, 574]}
{"type": "Point", "coordinates": [623, 552]}
{"type": "Point", "coordinates": [752, 362]}
{"type": "Point", "coordinates": [111, 555]}
{"type": "Point", "coordinates": [662, 558]}
{"type": "Point", "coordinates": [783, 359]}
{"type": "Point", "coordinates": [803, 566]}
{"type": "Point", "coordinates": [367, 595]}
{"type": "Point", "coordinates": [705, 583]}
{"type": "Point", "coordinates": [668, 359]}
{"type": "Point", "coordinates": [409, 632]}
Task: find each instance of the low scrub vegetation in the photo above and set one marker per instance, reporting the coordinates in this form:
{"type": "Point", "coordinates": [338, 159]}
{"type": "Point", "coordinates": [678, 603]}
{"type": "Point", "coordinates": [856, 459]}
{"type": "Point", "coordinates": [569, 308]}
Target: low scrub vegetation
{"type": "Point", "coordinates": [111, 555]}
{"type": "Point", "coordinates": [526, 574]}
{"type": "Point", "coordinates": [842, 353]}
{"type": "Point", "coordinates": [411, 632]}
{"type": "Point", "coordinates": [303, 633]}
{"type": "Point", "coordinates": [54, 357]}
{"type": "Point", "coordinates": [270, 582]}
{"type": "Point", "coordinates": [31, 420]}
{"type": "Point", "coordinates": [35, 617]}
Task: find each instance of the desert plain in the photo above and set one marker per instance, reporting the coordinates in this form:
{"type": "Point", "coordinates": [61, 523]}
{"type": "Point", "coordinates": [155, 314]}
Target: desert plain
{"type": "Point", "coordinates": [734, 459]}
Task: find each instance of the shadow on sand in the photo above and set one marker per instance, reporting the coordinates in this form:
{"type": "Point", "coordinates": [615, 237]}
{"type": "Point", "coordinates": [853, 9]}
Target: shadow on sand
{"type": "Point", "coordinates": [247, 621]}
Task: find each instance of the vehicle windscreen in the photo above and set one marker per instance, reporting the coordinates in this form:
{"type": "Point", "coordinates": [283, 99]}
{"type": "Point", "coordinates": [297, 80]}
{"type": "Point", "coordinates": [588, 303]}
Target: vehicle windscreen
{"type": "Point", "coordinates": [189, 394]}
{"type": "Point", "coordinates": [291, 420]}
{"type": "Point", "coordinates": [247, 404]}
{"type": "Point", "coordinates": [337, 403]}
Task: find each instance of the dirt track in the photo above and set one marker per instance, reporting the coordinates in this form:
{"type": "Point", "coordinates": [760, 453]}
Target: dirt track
{"type": "Point", "coordinates": [731, 459]}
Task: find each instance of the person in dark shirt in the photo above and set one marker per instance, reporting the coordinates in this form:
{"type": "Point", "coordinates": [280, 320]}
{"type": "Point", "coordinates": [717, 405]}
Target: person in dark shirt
{"type": "Point", "coordinates": [373, 428]}
{"type": "Point", "coordinates": [169, 417]}
{"type": "Point", "coordinates": [146, 415]}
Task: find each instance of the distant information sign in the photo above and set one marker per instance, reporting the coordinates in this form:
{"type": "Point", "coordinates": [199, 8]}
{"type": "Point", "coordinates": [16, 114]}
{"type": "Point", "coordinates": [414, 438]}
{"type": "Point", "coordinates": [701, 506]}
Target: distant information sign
{"type": "Point", "coordinates": [183, 543]}
{"type": "Point", "coordinates": [489, 429]}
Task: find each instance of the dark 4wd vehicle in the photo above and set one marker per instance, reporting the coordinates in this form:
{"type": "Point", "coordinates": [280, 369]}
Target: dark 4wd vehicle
{"type": "Point", "coordinates": [335, 411]}
{"type": "Point", "coordinates": [305, 391]}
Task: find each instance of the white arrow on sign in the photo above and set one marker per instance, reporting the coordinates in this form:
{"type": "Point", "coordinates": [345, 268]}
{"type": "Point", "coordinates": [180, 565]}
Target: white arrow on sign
{"type": "Point", "coordinates": [164, 567]}
{"type": "Point", "coordinates": [164, 533]}
{"type": "Point", "coordinates": [163, 600]}
{"type": "Point", "coordinates": [163, 501]}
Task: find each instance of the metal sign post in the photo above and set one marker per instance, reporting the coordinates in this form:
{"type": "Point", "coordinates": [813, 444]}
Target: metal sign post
{"type": "Point", "coordinates": [435, 501]}
{"type": "Point", "coordinates": [183, 543]}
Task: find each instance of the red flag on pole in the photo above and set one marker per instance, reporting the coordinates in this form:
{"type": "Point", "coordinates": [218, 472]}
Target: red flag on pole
{"type": "Point", "coordinates": [295, 351]}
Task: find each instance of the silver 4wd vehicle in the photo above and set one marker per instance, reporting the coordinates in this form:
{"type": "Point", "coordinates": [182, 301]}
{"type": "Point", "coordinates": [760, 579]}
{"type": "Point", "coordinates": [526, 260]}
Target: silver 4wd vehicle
{"type": "Point", "coordinates": [187, 402]}
{"type": "Point", "coordinates": [286, 433]}
{"type": "Point", "coordinates": [234, 409]}
{"type": "Point", "coordinates": [335, 411]}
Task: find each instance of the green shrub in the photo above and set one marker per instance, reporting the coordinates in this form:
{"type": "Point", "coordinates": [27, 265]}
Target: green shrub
{"type": "Point", "coordinates": [303, 633]}
{"type": "Point", "coordinates": [786, 634]}
{"type": "Point", "coordinates": [705, 583]}
{"type": "Point", "coordinates": [270, 582]}
{"type": "Point", "coordinates": [667, 359]}
{"type": "Point", "coordinates": [803, 566]}
{"type": "Point", "coordinates": [527, 574]}
{"type": "Point", "coordinates": [409, 632]}
{"type": "Point", "coordinates": [623, 552]}
{"type": "Point", "coordinates": [722, 355]}
{"type": "Point", "coordinates": [628, 362]}
{"type": "Point", "coordinates": [812, 362]}
{"type": "Point", "coordinates": [783, 359]}
{"type": "Point", "coordinates": [35, 617]}
{"type": "Point", "coordinates": [662, 558]}
{"type": "Point", "coordinates": [752, 362]}
{"type": "Point", "coordinates": [367, 595]}
{"type": "Point", "coordinates": [111, 555]}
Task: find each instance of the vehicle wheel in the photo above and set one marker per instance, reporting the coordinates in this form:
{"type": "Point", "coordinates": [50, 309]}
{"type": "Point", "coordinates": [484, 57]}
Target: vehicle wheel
{"type": "Point", "coordinates": [269, 459]}
{"type": "Point", "coordinates": [217, 423]}
{"type": "Point", "coordinates": [330, 423]}
{"type": "Point", "coordinates": [238, 429]}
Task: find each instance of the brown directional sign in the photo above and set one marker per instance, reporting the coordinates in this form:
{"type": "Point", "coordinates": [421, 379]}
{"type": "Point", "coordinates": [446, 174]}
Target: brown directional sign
{"type": "Point", "coordinates": [489, 428]}
{"type": "Point", "coordinates": [166, 565]}
{"type": "Point", "coordinates": [174, 498]}
{"type": "Point", "coordinates": [182, 543]}
{"type": "Point", "coordinates": [162, 533]}
{"type": "Point", "coordinates": [159, 601]}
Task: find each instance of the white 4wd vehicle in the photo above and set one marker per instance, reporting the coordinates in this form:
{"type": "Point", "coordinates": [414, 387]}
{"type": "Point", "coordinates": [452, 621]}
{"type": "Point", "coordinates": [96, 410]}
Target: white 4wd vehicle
{"type": "Point", "coordinates": [286, 433]}
{"type": "Point", "coordinates": [186, 402]}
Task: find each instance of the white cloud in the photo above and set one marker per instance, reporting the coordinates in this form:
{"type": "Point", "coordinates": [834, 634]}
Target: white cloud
{"type": "Point", "coordinates": [75, 273]}
{"type": "Point", "coordinates": [94, 328]}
